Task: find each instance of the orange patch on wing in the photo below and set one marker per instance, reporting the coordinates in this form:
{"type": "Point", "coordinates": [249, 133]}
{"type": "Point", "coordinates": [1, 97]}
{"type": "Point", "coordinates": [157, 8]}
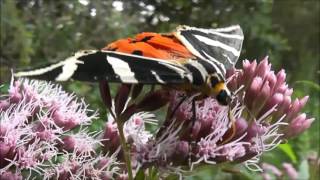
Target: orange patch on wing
{"type": "Point", "coordinates": [127, 46]}
{"type": "Point", "coordinates": [154, 45]}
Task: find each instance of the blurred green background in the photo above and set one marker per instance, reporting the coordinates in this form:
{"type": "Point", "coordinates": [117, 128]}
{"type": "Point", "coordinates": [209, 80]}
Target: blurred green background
{"type": "Point", "coordinates": [39, 31]}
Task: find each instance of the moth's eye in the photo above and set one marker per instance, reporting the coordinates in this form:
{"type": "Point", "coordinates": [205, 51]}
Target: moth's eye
{"type": "Point", "coordinates": [214, 81]}
{"type": "Point", "coordinates": [223, 97]}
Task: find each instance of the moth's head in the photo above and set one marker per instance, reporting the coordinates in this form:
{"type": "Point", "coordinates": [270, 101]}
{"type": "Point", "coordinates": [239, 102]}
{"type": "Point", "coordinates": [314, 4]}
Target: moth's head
{"type": "Point", "coordinates": [224, 97]}
{"type": "Point", "coordinates": [218, 89]}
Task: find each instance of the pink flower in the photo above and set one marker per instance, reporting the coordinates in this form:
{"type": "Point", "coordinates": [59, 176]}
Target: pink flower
{"type": "Point", "coordinates": [32, 132]}
{"type": "Point", "coordinates": [82, 142]}
{"type": "Point", "coordinates": [8, 175]}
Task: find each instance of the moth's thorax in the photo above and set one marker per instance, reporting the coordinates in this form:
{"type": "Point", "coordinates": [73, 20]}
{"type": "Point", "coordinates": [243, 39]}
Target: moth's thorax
{"type": "Point", "coordinates": [219, 91]}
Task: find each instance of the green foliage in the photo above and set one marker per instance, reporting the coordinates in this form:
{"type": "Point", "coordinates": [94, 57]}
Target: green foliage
{"type": "Point", "coordinates": [38, 31]}
{"type": "Point", "coordinates": [287, 149]}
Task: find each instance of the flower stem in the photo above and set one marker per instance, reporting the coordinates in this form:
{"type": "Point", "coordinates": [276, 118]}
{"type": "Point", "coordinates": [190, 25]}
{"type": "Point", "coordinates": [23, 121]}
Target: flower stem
{"type": "Point", "coordinates": [126, 151]}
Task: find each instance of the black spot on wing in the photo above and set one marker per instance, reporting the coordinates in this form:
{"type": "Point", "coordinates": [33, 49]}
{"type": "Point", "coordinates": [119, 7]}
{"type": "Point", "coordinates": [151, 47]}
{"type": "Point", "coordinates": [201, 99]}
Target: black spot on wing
{"type": "Point", "coordinates": [137, 52]}
{"type": "Point", "coordinates": [145, 39]}
{"type": "Point", "coordinates": [171, 36]}
{"type": "Point", "coordinates": [113, 49]}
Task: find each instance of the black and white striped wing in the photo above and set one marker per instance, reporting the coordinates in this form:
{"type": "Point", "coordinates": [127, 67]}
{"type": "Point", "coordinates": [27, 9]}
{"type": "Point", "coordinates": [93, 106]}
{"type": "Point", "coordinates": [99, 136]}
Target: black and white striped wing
{"type": "Point", "coordinates": [221, 46]}
{"type": "Point", "coordinates": [94, 65]}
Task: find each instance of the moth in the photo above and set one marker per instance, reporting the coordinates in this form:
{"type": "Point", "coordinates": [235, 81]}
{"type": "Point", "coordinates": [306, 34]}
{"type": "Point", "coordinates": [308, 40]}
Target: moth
{"type": "Point", "coordinates": [189, 59]}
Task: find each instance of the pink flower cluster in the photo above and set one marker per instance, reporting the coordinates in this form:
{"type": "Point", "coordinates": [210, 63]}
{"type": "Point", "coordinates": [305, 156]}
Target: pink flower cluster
{"type": "Point", "coordinates": [265, 93]}
{"type": "Point", "coordinates": [37, 137]}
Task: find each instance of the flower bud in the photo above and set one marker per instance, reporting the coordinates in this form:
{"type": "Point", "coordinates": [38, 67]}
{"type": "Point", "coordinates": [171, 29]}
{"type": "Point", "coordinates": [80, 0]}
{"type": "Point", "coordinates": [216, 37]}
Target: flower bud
{"type": "Point", "coordinates": [275, 100]}
{"type": "Point", "coordinates": [232, 84]}
{"type": "Point", "coordinates": [253, 91]}
{"type": "Point", "coordinates": [293, 110]}
{"type": "Point", "coordinates": [253, 130]}
{"type": "Point", "coordinates": [182, 150]}
{"type": "Point", "coordinates": [288, 92]}
{"type": "Point", "coordinates": [263, 68]}
{"type": "Point", "coordinates": [262, 97]}
{"type": "Point", "coordinates": [272, 79]}
{"type": "Point", "coordinates": [248, 72]}
{"type": "Point", "coordinates": [69, 143]}
{"type": "Point", "coordinates": [303, 101]}
{"type": "Point", "coordinates": [4, 105]}
{"type": "Point", "coordinates": [272, 169]}
{"type": "Point", "coordinates": [111, 136]}
{"type": "Point", "coordinates": [290, 171]}
{"type": "Point", "coordinates": [282, 89]}
{"type": "Point", "coordinates": [281, 77]}
{"type": "Point", "coordinates": [14, 92]}
{"type": "Point", "coordinates": [241, 126]}
{"type": "Point", "coordinates": [298, 125]}
{"type": "Point", "coordinates": [196, 129]}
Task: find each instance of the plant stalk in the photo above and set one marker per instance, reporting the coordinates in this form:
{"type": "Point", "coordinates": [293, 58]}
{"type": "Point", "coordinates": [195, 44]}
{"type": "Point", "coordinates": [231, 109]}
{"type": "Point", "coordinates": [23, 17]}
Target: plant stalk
{"type": "Point", "coordinates": [126, 151]}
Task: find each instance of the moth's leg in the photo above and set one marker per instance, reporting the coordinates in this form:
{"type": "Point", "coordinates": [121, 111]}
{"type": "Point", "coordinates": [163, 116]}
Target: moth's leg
{"type": "Point", "coordinates": [194, 111]}
{"type": "Point", "coordinates": [232, 131]}
{"type": "Point", "coordinates": [170, 115]}
{"type": "Point", "coordinates": [177, 106]}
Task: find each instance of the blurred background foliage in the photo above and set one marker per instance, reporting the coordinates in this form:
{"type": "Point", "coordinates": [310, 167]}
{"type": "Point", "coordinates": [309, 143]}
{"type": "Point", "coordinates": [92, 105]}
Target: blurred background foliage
{"type": "Point", "coordinates": [40, 31]}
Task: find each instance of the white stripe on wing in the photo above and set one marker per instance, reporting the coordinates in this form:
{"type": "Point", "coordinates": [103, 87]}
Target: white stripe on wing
{"type": "Point", "coordinates": [122, 69]}
{"type": "Point", "coordinates": [215, 43]}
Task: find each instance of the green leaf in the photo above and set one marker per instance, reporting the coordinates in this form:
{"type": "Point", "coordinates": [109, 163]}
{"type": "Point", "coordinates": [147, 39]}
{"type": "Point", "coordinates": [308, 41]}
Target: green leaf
{"type": "Point", "coordinates": [310, 84]}
{"type": "Point", "coordinates": [287, 149]}
{"type": "Point", "coordinates": [140, 175]}
{"type": "Point", "coordinates": [4, 88]}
